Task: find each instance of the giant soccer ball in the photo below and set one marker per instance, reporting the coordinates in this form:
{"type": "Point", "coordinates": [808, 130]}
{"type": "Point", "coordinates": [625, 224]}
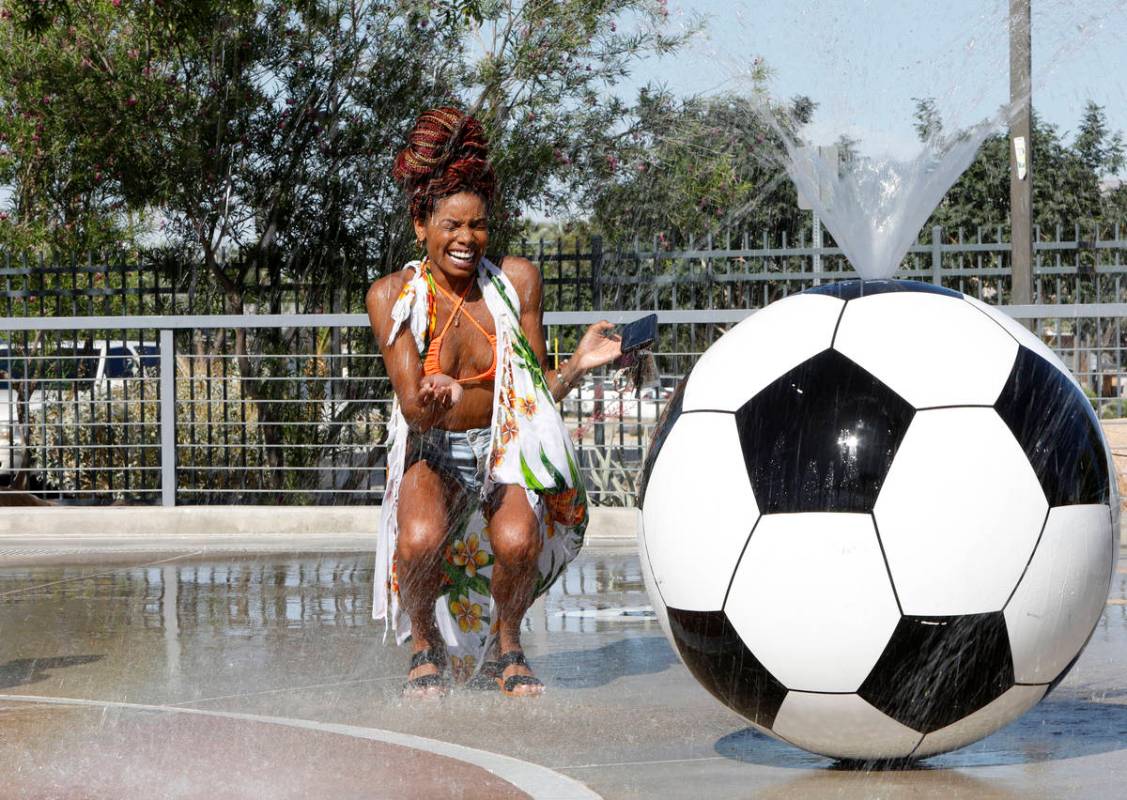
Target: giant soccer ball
{"type": "Point", "coordinates": [879, 520]}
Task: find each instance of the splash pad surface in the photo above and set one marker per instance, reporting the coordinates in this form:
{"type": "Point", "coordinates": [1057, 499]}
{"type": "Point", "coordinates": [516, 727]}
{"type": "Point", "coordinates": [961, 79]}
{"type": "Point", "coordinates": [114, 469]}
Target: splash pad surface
{"type": "Point", "coordinates": [285, 636]}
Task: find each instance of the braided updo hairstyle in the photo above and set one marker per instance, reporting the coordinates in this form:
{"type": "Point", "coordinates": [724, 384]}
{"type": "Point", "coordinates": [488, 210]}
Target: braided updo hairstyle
{"type": "Point", "coordinates": [446, 153]}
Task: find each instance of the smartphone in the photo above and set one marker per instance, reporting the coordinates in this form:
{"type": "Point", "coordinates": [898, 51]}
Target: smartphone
{"type": "Point", "coordinates": [638, 334]}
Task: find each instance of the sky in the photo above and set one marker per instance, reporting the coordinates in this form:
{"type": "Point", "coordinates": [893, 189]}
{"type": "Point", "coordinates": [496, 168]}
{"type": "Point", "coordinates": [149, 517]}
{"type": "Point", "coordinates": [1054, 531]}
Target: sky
{"type": "Point", "coordinates": [864, 60]}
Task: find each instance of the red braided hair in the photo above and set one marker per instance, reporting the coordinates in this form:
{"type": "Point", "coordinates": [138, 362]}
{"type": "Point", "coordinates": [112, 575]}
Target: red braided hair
{"type": "Point", "coordinates": [446, 153]}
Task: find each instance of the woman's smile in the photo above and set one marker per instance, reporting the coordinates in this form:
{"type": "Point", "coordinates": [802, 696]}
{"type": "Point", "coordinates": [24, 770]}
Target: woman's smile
{"type": "Point", "coordinates": [462, 257]}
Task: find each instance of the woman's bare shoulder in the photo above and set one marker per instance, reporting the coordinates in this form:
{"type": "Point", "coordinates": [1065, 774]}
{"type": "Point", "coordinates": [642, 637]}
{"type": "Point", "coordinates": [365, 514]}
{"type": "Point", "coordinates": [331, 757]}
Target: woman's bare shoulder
{"type": "Point", "coordinates": [385, 290]}
{"type": "Point", "coordinates": [525, 276]}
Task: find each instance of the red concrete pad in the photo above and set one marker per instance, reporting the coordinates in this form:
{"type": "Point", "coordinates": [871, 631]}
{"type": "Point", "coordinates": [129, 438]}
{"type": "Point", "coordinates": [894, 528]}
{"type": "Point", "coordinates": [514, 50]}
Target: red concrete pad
{"type": "Point", "coordinates": [118, 754]}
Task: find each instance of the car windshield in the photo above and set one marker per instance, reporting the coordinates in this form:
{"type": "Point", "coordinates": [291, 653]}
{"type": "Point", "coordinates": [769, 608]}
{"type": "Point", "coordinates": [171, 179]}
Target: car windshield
{"type": "Point", "coordinates": [120, 363]}
{"type": "Point", "coordinates": [58, 369]}
{"type": "Point", "coordinates": [149, 354]}
{"type": "Point", "coordinates": [11, 366]}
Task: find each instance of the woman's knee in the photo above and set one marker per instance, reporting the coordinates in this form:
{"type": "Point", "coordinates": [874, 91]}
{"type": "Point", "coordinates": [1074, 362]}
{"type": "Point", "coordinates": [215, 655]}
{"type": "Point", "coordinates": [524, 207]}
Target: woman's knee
{"type": "Point", "coordinates": [514, 544]}
{"type": "Point", "coordinates": [419, 542]}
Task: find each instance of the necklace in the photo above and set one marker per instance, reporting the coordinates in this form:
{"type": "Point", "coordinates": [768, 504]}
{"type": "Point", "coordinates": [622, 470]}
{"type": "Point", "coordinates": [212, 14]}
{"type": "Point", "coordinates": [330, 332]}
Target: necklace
{"type": "Point", "coordinates": [458, 304]}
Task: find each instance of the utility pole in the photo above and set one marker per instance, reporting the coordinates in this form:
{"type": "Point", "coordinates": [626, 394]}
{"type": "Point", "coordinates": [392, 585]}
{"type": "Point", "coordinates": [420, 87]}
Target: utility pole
{"type": "Point", "coordinates": [1021, 153]}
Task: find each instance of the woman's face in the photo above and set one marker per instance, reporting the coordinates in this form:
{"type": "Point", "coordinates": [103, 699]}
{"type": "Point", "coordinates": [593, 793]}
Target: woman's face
{"type": "Point", "coordinates": [456, 234]}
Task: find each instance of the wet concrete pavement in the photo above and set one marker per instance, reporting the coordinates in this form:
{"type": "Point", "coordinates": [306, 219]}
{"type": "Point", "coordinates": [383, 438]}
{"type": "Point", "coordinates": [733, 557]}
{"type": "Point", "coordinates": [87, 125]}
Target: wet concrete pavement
{"type": "Point", "coordinates": [262, 674]}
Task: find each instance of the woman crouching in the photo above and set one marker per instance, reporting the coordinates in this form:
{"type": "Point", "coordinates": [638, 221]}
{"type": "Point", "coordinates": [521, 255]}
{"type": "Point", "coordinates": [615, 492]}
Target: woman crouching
{"type": "Point", "coordinates": [484, 504]}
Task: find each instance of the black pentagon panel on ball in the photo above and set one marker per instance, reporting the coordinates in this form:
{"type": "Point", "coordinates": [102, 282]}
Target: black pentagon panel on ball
{"type": "Point", "coordinates": [851, 290]}
{"type": "Point", "coordinates": [664, 425]}
{"type": "Point", "coordinates": [1055, 425]}
{"type": "Point", "coordinates": [936, 670]}
{"type": "Point", "coordinates": [718, 658]}
{"type": "Point", "coordinates": [821, 437]}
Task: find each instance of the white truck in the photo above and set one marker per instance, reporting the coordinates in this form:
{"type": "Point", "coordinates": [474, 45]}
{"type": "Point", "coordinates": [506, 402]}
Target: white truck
{"type": "Point", "coordinates": [60, 371]}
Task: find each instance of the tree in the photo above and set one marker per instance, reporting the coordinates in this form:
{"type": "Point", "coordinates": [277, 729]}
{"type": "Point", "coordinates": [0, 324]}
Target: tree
{"type": "Point", "coordinates": [262, 131]}
{"type": "Point", "coordinates": [267, 127]}
{"type": "Point", "coordinates": [538, 80]}
{"type": "Point", "coordinates": [1065, 178]}
{"type": "Point", "coordinates": [929, 122]}
{"type": "Point", "coordinates": [697, 166]}
{"type": "Point", "coordinates": [1099, 149]}
{"type": "Point", "coordinates": [78, 94]}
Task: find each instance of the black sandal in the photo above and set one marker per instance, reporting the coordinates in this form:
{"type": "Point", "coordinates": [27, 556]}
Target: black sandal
{"type": "Point", "coordinates": [435, 657]}
{"type": "Point", "coordinates": [515, 658]}
{"type": "Point", "coordinates": [485, 679]}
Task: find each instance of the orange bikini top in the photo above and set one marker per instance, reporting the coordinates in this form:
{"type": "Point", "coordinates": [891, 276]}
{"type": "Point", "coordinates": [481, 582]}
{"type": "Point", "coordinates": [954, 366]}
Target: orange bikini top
{"type": "Point", "coordinates": [431, 365]}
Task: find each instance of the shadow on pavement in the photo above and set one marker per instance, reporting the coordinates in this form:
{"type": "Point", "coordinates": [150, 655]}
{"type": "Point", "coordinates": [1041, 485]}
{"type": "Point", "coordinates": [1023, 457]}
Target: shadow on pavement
{"type": "Point", "coordinates": [22, 671]}
{"type": "Point", "coordinates": [1056, 729]}
{"type": "Point", "coordinates": [921, 784]}
{"type": "Point", "coordinates": [588, 669]}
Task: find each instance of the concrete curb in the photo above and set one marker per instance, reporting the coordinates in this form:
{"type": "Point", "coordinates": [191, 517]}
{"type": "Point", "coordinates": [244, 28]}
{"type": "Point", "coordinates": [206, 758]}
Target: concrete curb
{"type": "Point", "coordinates": [224, 522]}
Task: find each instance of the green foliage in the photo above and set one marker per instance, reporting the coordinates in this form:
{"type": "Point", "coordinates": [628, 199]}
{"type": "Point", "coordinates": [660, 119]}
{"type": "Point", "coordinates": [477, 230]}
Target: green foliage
{"type": "Point", "coordinates": [92, 442]}
{"type": "Point", "coordinates": [539, 86]}
{"type": "Point", "coordinates": [267, 128]}
{"type": "Point", "coordinates": [1066, 178]}
{"type": "Point", "coordinates": [929, 123]}
{"type": "Point", "coordinates": [703, 165]}
{"type": "Point", "coordinates": [614, 482]}
{"type": "Point", "coordinates": [1099, 149]}
{"type": "Point", "coordinates": [77, 97]}
{"type": "Point", "coordinates": [696, 166]}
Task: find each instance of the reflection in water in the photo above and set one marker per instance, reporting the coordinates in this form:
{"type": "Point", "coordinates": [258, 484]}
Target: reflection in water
{"type": "Point", "coordinates": [601, 590]}
{"type": "Point", "coordinates": [598, 592]}
{"type": "Point", "coordinates": [237, 596]}
{"type": "Point", "coordinates": [170, 602]}
{"type": "Point", "coordinates": [241, 596]}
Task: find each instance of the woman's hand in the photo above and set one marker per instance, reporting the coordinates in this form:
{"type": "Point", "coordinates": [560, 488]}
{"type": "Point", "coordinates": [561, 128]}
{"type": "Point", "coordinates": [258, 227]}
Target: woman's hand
{"type": "Point", "coordinates": [439, 390]}
{"type": "Point", "coordinates": [597, 347]}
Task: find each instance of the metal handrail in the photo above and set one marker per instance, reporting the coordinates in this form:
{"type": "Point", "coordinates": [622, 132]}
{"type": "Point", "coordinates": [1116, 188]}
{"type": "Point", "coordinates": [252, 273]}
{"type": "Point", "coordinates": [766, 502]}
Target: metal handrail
{"type": "Point", "coordinates": [719, 315]}
{"type": "Point", "coordinates": [165, 417]}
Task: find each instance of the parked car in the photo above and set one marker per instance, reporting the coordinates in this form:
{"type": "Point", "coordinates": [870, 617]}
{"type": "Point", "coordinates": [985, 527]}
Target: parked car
{"type": "Point", "coordinates": [617, 403]}
{"type": "Point", "coordinates": [67, 368]}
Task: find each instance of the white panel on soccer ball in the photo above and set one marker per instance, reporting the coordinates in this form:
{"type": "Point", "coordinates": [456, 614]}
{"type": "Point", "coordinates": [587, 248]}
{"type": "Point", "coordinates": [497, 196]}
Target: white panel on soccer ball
{"type": "Point", "coordinates": [1023, 336]}
{"type": "Point", "coordinates": [781, 336]}
{"type": "Point", "coordinates": [1062, 594]}
{"type": "Point", "coordinates": [991, 717]}
{"type": "Point", "coordinates": [699, 511]}
{"type": "Point", "coordinates": [651, 585]}
{"type": "Point", "coordinates": [812, 601]}
{"type": "Point", "coordinates": [959, 513]}
{"type": "Point", "coordinates": [955, 355]}
{"type": "Point", "coordinates": [842, 726]}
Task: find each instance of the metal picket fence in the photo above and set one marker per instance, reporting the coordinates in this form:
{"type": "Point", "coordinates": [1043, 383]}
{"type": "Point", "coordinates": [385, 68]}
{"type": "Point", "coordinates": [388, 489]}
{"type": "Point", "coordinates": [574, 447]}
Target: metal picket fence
{"type": "Point", "coordinates": [734, 269]}
{"type": "Point", "coordinates": [121, 382]}
{"type": "Point", "coordinates": [168, 410]}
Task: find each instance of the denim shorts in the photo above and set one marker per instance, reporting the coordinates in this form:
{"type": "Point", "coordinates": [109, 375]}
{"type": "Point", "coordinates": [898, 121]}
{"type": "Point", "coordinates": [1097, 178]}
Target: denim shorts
{"type": "Point", "coordinates": [459, 456]}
